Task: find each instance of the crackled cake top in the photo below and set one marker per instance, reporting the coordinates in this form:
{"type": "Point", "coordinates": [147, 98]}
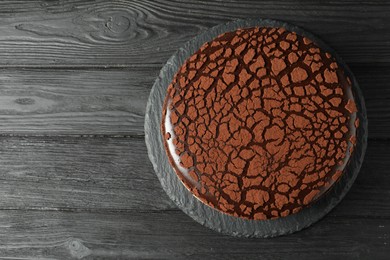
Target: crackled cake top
{"type": "Point", "coordinates": [259, 122]}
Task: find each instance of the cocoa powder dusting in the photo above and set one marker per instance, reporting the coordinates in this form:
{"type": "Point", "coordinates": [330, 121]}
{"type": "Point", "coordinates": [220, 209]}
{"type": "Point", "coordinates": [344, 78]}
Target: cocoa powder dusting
{"type": "Point", "coordinates": [259, 123]}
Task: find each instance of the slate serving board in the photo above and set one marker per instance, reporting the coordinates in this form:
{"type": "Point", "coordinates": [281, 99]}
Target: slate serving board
{"type": "Point", "coordinates": [211, 217]}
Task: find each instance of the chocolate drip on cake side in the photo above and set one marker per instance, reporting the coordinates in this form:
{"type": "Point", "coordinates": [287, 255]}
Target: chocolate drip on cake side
{"type": "Point", "coordinates": [259, 123]}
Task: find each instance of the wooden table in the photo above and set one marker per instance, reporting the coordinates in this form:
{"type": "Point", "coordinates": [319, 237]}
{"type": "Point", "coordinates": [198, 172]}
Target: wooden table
{"type": "Point", "coordinates": [76, 181]}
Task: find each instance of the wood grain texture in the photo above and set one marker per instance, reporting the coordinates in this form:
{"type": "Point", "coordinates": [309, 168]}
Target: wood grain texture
{"type": "Point", "coordinates": [173, 235]}
{"type": "Point", "coordinates": [113, 102]}
{"type": "Point", "coordinates": [114, 174]}
{"type": "Point", "coordinates": [56, 173]}
{"type": "Point", "coordinates": [44, 101]}
{"type": "Point", "coordinates": [138, 32]}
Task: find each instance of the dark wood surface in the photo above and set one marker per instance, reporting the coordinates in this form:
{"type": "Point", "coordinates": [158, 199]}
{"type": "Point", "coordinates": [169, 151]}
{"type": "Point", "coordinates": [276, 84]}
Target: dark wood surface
{"type": "Point", "coordinates": [76, 182]}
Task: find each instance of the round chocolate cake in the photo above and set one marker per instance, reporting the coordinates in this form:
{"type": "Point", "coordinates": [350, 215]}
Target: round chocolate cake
{"type": "Point", "coordinates": [259, 123]}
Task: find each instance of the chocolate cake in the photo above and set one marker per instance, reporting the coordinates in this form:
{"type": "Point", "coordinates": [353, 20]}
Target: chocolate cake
{"type": "Point", "coordinates": [259, 123]}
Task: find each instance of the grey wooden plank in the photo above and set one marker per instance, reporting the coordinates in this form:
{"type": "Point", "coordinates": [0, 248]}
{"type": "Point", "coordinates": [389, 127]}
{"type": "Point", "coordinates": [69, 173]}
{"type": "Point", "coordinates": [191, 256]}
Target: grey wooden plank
{"type": "Point", "coordinates": [44, 101]}
{"type": "Point", "coordinates": [374, 81]}
{"type": "Point", "coordinates": [54, 173]}
{"type": "Point", "coordinates": [172, 235]}
{"type": "Point", "coordinates": [113, 102]}
{"type": "Point", "coordinates": [114, 174]}
{"type": "Point", "coordinates": [139, 32]}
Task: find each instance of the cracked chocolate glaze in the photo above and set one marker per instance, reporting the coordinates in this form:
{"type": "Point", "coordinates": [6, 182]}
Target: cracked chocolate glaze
{"type": "Point", "coordinates": [259, 123]}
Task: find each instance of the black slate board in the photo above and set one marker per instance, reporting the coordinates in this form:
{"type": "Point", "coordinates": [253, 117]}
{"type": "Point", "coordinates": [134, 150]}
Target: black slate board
{"type": "Point", "coordinates": [213, 218]}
